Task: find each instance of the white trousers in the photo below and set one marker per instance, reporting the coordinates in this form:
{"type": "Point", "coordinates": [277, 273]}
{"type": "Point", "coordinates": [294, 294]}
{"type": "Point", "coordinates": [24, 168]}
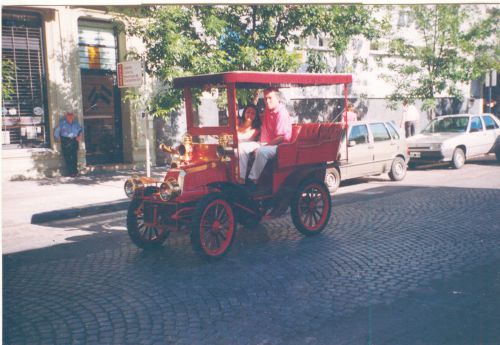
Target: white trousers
{"type": "Point", "coordinates": [244, 150]}
{"type": "Point", "coordinates": [262, 155]}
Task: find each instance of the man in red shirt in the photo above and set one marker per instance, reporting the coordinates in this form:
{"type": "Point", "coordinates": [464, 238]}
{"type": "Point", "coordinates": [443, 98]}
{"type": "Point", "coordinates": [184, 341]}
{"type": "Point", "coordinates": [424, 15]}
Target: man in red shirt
{"type": "Point", "coordinates": [276, 128]}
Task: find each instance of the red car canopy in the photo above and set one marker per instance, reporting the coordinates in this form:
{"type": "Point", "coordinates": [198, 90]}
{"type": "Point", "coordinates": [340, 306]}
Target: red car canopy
{"type": "Point", "coordinates": [263, 79]}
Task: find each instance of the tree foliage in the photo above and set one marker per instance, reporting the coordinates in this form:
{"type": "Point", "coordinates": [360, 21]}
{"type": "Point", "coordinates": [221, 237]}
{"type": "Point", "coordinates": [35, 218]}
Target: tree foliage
{"type": "Point", "coordinates": [186, 40]}
{"type": "Point", "coordinates": [455, 44]}
{"type": "Point", "coordinates": [8, 71]}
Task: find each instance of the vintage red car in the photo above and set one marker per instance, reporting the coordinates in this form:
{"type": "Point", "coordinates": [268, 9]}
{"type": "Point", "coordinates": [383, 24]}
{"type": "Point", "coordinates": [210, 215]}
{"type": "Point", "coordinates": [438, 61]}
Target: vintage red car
{"type": "Point", "coordinates": [201, 193]}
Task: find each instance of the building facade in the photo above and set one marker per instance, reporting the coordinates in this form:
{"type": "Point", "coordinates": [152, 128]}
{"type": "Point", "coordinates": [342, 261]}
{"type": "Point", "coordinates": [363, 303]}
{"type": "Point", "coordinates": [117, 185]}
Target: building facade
{"type": "Point", "coordinates": [368, 61]}
{"type": "Point", "coordinates": [65, 58]}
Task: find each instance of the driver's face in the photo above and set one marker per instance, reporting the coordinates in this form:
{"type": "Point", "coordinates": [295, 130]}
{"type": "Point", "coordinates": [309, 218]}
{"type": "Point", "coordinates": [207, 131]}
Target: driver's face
{"type": "Point", "coordinates": [271, 100]}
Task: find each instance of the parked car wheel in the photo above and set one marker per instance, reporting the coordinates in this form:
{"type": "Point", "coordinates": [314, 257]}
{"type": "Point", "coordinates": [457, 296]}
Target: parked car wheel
{"type": "Point", "coordinates": [332, 179]}
{"type": "Point", "coordinates": [497, 154]}
{"type": "Point", "coordinates": [458, 159]}
{"type": "Point", "coordinates": [144, 236]}
{"type": "Point", "coordinates": [213, 227]}
{"type": "Point", "coordinates": [398, 169]}
{"type": "Point", "coordinates": [311, 207]}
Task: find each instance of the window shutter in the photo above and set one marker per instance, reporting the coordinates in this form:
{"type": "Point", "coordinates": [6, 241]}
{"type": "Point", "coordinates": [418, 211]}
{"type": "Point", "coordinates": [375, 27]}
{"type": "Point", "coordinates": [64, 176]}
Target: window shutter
{"type": "Point", "coordinates": [23, 112]}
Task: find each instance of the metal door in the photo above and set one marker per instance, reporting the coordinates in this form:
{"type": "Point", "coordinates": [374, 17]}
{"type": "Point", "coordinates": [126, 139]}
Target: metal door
{"type": "Point", "coordinates": [384, 147]}
{"type": "Point", "coordinates": [360, 152]}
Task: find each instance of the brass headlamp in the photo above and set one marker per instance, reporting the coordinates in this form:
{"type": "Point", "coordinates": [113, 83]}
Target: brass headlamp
{"type": "Point", "coordinates": [186, 148]}
{"type": "Point", "coordinates": [170, 189]}
{"type": "Point", "coordinates": [131, 186]}
{"type": "Point", "coordinates": [224, 149]}
{"type": "Point", "coordinates": [184, 151]}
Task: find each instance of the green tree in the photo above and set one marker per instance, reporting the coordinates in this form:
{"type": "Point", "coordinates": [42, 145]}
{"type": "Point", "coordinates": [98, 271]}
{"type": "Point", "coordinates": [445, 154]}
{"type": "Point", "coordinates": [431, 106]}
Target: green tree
{"type": "Point", "coordinates": [458, 44]}
{"type": "Point", "coordinates": [8, 69]}
{"type": "Point", "coordinates": [185, 40]}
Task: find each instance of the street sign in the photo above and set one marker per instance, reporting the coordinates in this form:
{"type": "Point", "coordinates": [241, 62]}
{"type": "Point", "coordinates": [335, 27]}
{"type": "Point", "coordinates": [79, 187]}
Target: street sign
{"type": "Point", "coordinates": [490, 79]}
{"type": "Point", "coordinates": [130, 74]}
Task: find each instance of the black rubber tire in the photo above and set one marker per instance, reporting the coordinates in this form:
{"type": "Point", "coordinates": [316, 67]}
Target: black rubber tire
{"type": "Point", "coordinates": [299, 205]}
{"type": "Point", "coordinates": [458, 158]}
{"type": "Point", "coordinates": [332, 179]}
{"type": "Point", "coordinates": [497, 155]}
{"type": "Point", "coordinates": [199, 234]}
{"type": "Point", "coordinates": [398, 169]}
{"type": "Point", "coordinates": [143, 236]}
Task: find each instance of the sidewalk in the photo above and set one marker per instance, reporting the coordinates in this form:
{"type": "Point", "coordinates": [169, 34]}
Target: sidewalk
{"type": "Point", "coordinates": [26, 205]}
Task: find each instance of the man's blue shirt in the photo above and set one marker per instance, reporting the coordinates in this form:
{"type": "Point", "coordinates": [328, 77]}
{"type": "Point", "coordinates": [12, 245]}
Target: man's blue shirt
{"type": "Point", "coordinates": [66, 129]}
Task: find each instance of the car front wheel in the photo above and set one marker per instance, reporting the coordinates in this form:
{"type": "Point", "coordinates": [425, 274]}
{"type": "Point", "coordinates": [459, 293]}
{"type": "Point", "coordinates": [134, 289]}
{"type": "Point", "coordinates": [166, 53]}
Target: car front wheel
{"type": "Point", "coordinates": [144, 235]}
{"type": "Point", "coordinates": [213, 227]}
{"type": "Point", "coordinates": [458, 159]}
{"type": "Point", "coordinates": [398, 169]}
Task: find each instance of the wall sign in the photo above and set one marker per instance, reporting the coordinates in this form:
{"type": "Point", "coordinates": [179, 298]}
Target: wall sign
{"type": "Point", "coordinates": [130, 74]}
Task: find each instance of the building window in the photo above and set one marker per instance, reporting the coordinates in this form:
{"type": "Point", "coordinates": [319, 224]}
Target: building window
{"type": "Point", "coordinates": [405, 19]}
{"type": "Point", "coordinates": [97, 46]}
{"type": "Point", "coordinates": [24, 106]}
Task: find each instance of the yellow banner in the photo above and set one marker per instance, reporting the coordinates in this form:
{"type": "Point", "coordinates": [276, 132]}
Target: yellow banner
{"type": "Point", "coordinates": [94, 57]}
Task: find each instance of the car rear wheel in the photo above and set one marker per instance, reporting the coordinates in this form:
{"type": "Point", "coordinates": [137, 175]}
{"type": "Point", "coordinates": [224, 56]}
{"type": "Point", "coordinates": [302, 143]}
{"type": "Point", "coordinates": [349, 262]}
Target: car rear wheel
{"type": "Point", "coordinates": [213, 227]}
{"type": "Point", "coordinates": [458, 159]}
{"type": "Point", "coordinates": [144, 235]}
{"type": "Point", "coordinates": [497, 154]}
{"type": "Point", "coordinates": [311, 207]}
{"type": "Point", "coordinates": [332, 179]}
{"type": "Point", "coordinates": [398, 169]}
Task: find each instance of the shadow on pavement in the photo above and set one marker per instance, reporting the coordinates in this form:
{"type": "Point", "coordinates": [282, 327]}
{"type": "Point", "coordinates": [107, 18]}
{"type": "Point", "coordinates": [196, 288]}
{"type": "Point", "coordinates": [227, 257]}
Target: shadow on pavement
{"type": "Point", "coordinates": [106, 223]}
{"type": "Point", "coordinates": [96, 177]}
{"type": "Point", "coordinates": [483, 161]}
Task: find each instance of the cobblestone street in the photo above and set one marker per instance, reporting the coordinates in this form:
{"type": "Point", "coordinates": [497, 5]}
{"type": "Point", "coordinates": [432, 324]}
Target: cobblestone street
{"type": "Point", "coordinates": [398, 264]}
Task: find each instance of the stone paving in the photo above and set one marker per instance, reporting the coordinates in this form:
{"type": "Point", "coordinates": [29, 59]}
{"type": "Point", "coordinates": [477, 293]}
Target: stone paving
{"type": "Point", "coordinates": [274, 287]}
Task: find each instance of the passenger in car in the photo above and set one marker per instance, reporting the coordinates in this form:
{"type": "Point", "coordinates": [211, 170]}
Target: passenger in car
{"type": "Point", "coordinates": [248, 132]}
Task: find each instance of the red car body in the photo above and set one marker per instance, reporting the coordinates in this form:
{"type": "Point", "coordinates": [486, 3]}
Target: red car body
{"type": "Point", "coordinates": [201, 193]}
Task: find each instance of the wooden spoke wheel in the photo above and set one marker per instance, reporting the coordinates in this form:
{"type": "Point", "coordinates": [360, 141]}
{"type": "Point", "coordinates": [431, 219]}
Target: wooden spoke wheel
{"type": "Point", "coordinates": [213, 227]}
{"type": "Point", "coordinates": [144, 235]}
{"type": "Point", "coordinates": [311, 207]}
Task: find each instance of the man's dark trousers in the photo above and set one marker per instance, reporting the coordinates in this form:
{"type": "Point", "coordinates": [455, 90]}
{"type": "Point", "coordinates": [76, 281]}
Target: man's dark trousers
{"type": "Point", "coordinates": [70, 152]}
{"type": "Point", "coordinates": [409, 128]}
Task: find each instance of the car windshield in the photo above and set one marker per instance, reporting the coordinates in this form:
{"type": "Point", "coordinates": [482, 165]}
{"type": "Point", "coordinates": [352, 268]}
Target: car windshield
{"type": "Point", "coordinates": [210, 107]}
{"type": "Point", "coordinates": [448, 125]}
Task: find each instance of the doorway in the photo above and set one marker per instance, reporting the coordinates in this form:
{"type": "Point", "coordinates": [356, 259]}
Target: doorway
{"type": "Point", "coordinates": [101, 96]}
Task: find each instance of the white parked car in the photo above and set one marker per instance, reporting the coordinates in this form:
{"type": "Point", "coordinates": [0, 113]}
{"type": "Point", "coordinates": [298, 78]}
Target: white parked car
{"type": "Point", "coordinates": [454, 138]}
{"type": "Point", "coordinates": [373, 148]}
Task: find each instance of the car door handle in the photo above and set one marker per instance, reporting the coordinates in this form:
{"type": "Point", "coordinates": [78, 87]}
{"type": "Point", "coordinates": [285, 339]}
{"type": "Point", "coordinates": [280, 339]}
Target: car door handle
{"type": "Point", "coordinates": [371, 146]}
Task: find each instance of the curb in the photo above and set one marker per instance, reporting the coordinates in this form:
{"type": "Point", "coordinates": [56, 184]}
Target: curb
{"type": "Point", "coordinates": [75, 212]}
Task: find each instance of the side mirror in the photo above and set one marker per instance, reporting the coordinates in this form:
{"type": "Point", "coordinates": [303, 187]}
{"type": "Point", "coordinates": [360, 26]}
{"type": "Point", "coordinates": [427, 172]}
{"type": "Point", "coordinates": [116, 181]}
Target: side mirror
{"type": "Point", "coordinates": [352, 143]}
{"type": "Point", "coordinates": [472, 130]}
